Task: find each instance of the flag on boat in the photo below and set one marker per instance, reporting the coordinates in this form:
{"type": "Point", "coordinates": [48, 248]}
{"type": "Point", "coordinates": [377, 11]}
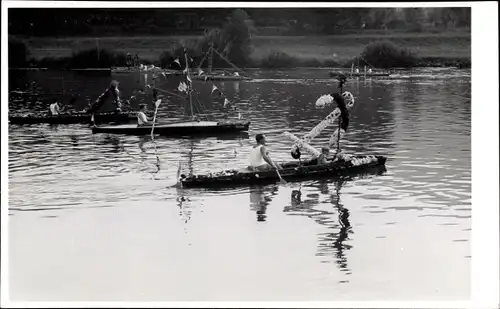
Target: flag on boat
{"type": "Point", "coordinates": [182, 87]}
{"type": "Point", "coordinates": [200, 71]}
{"type": "Point", "coordinates": [177, 61]}
{"type": "Point", "coordinates": [236, 74]}
{"type": "Point", "coordinates": [189, 78]}
{"type": "Point", "coordinates": [226, 102]}
{"type": "Point", "coordinates": [214, 88]}
{"type": "Point", "coordinates": [206, 77]}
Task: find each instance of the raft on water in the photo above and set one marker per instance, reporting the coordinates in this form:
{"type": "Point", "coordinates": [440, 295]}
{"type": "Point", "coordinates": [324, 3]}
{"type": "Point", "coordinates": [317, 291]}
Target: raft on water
{"type": "Point", "coordinates": [292, 171]}
{"type": "Point", "coordinates": [78, 117]}
{"type": "Point", "coordinates": [178, 129]}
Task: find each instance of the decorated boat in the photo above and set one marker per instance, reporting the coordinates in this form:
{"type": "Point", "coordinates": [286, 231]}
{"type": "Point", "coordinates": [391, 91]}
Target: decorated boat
{"type": "Point", "coordinates": [91, 115]}
{"type": "Point", "coordinates": [69, 118]}
{"type": "Point", "coordinates": [194, 126]}
{"type": "Point", "coordinates": [321, 164]}
{"type": "Point", "coordinates": [292, 171]}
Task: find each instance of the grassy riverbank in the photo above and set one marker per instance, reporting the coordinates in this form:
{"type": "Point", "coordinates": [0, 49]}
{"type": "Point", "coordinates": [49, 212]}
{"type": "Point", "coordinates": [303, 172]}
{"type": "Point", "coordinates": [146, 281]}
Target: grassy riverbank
{"type": "Point", "coordinates": [313, 51]}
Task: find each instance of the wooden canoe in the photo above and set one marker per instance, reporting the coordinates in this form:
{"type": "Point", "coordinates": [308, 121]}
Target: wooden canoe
{"type": "Point", "coordinates": [178, 128]}
{"type": "Point", "coordinates": [292, 171]}
{"type": "Point", "coordinates": [80, 117]}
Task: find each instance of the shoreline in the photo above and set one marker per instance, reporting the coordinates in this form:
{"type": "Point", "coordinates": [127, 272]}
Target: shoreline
{"type": "Point", "coordinates": [444, 49]}
{"type": "Point", "coordinates": [422, 62]}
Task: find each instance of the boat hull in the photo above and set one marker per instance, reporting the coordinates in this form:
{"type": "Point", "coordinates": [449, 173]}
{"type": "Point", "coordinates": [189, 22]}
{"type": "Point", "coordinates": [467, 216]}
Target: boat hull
{"type": "Point", "coordinates": [291, 172]}
{"type": "Point", "coordinates": [178, 129]}
{"type": "Point", "coordinates": [72, 118]}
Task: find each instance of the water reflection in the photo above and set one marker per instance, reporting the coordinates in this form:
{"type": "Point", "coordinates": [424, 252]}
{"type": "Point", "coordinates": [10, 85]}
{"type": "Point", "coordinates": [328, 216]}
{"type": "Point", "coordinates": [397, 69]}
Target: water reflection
{"type": "Point", "coordinates": [260, 197]}
{"type": "Point", "coordinates": [332, 242]}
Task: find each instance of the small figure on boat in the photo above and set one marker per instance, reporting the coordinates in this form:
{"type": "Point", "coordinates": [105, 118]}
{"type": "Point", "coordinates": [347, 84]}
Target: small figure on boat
{"type": "Point", "coordinates": [114, 92]}
{"type": "Point", "coordinates": [136, 60]}
{"type": "Point", "coordinates": [129, 60]}
{"type": "Point", "coordinates": [259, 159]}
{"type": "Point", "coordinates": [54, 108]}
{"type": "Point", "coordinates": [323, 157]}
{"type": "Point", "coordinates": [142, 119]}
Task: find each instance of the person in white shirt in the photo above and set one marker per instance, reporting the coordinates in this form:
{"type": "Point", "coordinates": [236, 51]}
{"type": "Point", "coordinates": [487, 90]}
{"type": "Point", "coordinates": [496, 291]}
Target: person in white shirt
{"type": "Point", "coordinates": [142, 119]}
{"type": "Point", "coordinates": [54, 108]}
{"type": "Point", "coordinates": [258, 158]}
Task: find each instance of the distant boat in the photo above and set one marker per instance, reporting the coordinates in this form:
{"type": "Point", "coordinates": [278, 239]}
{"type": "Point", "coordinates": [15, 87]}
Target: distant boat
{"type": "Point", "coordinates": [357, 73]}
{"type": "Point", "coordinates": [69, 118]}
{"type": "Point", "coordinates": [136, 69]}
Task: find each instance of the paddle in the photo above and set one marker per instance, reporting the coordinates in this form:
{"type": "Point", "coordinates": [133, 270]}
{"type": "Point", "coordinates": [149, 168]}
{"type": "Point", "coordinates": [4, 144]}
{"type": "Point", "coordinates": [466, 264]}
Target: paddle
{"type": "Point", "coordinates": [282, 181]}
{"type": "Point", "coordinates": [157, 104]}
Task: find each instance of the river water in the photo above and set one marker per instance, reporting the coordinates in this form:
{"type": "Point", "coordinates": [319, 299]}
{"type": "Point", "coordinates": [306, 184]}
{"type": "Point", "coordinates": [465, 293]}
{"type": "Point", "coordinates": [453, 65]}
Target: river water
{"type": "Point", "coordinates": [96, 217]}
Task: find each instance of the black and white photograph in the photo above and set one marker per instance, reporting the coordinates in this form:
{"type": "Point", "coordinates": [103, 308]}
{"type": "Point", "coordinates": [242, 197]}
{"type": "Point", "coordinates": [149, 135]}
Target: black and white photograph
{"type": "Point", "coordinates": [287, 154]}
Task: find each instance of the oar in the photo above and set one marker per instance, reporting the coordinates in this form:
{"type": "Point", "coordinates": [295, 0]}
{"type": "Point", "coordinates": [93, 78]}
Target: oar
{"type": "Point", "coordinates": [157, 104]}
{"type": "Point", "coordinates": [282, 181]}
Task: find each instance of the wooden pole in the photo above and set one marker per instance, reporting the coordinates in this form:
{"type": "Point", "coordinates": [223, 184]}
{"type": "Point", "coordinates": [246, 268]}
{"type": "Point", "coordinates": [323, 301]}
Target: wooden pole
{"type": "Point", "coordinates": [97, 45]}
{"type": "Point", "coordinates": [190, 84]}
{"type": "Point", "coordinates": [340, 122]}
{"type": "Point", "coordinates": [62, 93]}
{"type": "Point", "coordinates": [210, 57]}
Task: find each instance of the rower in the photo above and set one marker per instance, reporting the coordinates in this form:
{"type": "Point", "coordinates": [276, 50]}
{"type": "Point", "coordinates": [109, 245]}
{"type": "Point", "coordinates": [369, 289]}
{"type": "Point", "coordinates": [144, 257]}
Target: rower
{"type": "Point", "coordinates": [142, 119]}
{"type": "Point", "coordinates": [259, 158]}
{"type": "Point", "coordinates": [54, 108]}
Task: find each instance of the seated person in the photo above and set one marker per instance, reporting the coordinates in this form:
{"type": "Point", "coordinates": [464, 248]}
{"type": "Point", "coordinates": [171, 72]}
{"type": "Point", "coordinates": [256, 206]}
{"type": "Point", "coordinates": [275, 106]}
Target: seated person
{"type": "Point", "coordinates": [323, 157]}
{"type": "Point", "coordinates": [259, 156]}
{"type": "Point", "coordinates": [142, 119]}
{"type": "Point", "coordinates": [54, 108]}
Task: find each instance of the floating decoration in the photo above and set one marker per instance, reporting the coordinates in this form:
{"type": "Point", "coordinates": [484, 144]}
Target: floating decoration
{"type": "Point", "coordinates": [324, 100]}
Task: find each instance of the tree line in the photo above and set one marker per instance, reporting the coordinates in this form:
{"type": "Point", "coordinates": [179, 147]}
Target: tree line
{"type": "Point", "coordinates": [285, 21]}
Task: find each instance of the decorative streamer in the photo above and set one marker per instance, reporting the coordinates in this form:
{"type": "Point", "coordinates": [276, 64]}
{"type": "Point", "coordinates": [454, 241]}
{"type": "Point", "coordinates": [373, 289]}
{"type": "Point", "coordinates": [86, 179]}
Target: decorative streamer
{"type": "Point", "coordinates": [344, 101]}
{"type": "Point", "coordinates": [334, 138]}
{"type": "Point", "coordinates": [300, 143]}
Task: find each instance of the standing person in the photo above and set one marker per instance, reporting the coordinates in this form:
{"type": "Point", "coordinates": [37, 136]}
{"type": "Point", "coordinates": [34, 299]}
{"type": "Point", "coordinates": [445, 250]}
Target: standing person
{"type": "Point", "coordinates": [129, 60]}
{"type": "Point", "coordinates": [259, 158]}
{"type": "Point", "coordinates": [136, 59]}
{"type": "Point", "coordinates": [54, 108]}
{"type": "Point", "coordinates": [142, 119]}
